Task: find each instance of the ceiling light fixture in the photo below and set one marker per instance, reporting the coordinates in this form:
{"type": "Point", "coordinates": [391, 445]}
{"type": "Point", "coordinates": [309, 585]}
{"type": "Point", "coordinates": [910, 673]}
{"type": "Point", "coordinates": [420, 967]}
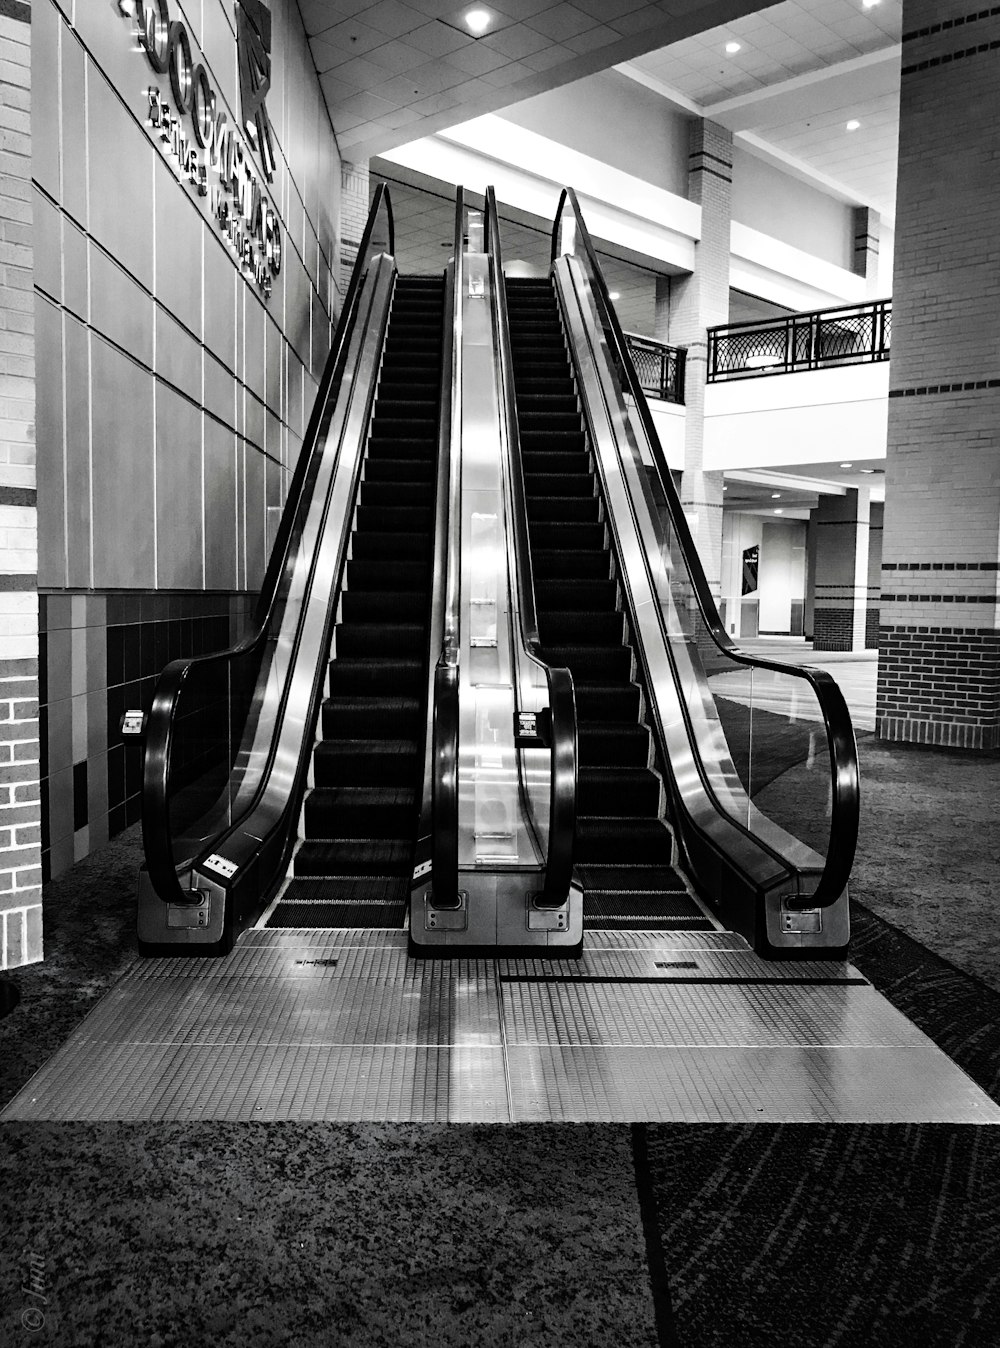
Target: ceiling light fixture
{"type": "Point", "coordinates": [732, 48]}
{"type": "Point", "coordinates": [778, 512]}
{"type": "Point", "coordinates": [614, 295]}
{"type": "Point", "coordinates": [776, 496]}
{"type": "Point", "coordinates": [478, 20]}
{"type": "Point", "coordinates": [847, 465]}
{"type": "Point", "coordinates": [869, 4]}
{"type": "Point", "coordinates": [853, 124]}
{"type": "Point", "coordinates": [867, 470]}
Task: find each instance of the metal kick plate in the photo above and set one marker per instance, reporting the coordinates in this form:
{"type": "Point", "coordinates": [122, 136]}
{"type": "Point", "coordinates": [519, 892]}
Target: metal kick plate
{"type": "Point", "coordinates": [343, 1025]}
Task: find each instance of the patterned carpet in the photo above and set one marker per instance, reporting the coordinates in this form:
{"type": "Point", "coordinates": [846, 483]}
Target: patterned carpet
{"type": "Point", "coordinates": [678, 1236]}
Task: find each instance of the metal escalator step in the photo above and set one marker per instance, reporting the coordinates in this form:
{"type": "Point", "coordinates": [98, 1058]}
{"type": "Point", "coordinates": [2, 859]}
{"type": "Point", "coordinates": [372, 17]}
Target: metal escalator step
{"type": "Point", "coordinates": [612, 743]}
{"type": "Point", "coordinates": [607, 702]}
{"type": "Point", "coordinates": [369, 678]}
{"type": "Point", "coordinates": [371, 717]}
{"type": "Point", "coordinates": [563, 509]}
{"type": "Point", "coordinates": [353, 856]}
{"type": "Point", "coordinates": [628, 793]}
{"type": "Point", "coordinates": [593, 663]}
{"type": "Point", "coordinates": [375, 638]}
{"type": "Point", "coordinates": [379, 573]}
{"type": "Point", "coordinates": [562, 595]}
{"type": "Point", "coordinates": [367, 762]}
{"type": "Point", "coordinates": [625, 841]}
{"type": "Point", "coordinates": [360, 812]}
{"type": "Point", "coordinates": [565, 535]}
{"type": "Point", "coordinates": [382, 468]}
{"type": "Point", "coordinates": [550, 565]}
{"type": "Point", "coordinates": [621, 911]}
{"type": "Point", "coordinates": [579, 627]}
{"type": "Point", "coordinates": [382, 546]}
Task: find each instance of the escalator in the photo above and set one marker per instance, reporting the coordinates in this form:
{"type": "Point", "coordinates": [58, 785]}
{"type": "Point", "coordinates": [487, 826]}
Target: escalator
{"type": "Point", "coordinates": [715, 788]}
{"type": "Point", "coordinates": [352, 867]}
{"type": "Point", "coordinates": [625, 851]}
{"type": "Point", "coordinates": [285, 778]}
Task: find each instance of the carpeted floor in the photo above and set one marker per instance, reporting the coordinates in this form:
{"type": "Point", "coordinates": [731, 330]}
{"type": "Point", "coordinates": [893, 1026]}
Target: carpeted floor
{"type": "Point", "coordinates": [305, 1234]}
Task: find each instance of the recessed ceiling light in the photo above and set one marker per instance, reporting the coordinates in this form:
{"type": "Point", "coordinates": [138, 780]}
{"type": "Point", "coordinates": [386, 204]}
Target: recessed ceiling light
{"type": "Point", "coordinates": [869, 4]}
{"type": "Point", "coordinates": [725, 488]}
{"type": "Point", "coordinates": [847, 465]}
{"type": "Point", "coordinates": [778, 512]}
{"type": "Point", "coordinates": [477, 20]}
{"type": "Point", "coordinates": [853, 124]}
{"type": "Point", "coordinates": [776, 496]}
{"type": "Point", "coordinates": [732, 48]}
{"type": "Point", "coordinates": [867, 470]}
{"type": "Point", "coordinates": [614, 295]}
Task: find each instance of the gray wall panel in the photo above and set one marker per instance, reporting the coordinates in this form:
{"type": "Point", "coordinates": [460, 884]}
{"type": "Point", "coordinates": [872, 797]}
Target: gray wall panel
{"type": "Point", "coordinates": [47, 239]}
{"type": "Point", "coordinates": [253, 420]}
{"type": "Point", "coordinates": [179, 506]}
{"type": "Point", "coordinates": [112, 48]}
{"type": "Point", "coordinates": [123, 500]}
{"type": "Point", "coordinates": [179, 235]}
{"type": "Point", "coordinates": [119, 308]}
{"type": "Point", "coordinates": [76, 281]}
{"type": "Point", "coordinates": [50, 463]}
{"type": "Point", "coordinates": [253, 342]}
{"type": "Point", "coordinates": [77, 440]}
{"type": "Point", "coordinates": [255, 516]}
{"type": "Point", "coordinates": [220, 507]}
{"type": "Point", "coordinates": [219, 46]}
{"type": "Point", "coordinates": [220, 391]}
{"type": "Point", "coordinates": [46, 31]}
{"type": "Point", "coordinates": [273, 364]}
{"type": "Point", "coordinates": [121, 182]}
{"type": "Point", "coordinates": [178, 356]}
{"type": "Point", "coordinates": [221, 280]}
{"type": "Point", "coordinates": [73, 127]}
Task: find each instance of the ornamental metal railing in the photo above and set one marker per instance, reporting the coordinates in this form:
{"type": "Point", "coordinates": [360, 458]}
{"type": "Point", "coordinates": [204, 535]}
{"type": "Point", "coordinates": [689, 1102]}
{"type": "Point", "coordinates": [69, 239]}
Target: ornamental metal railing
{"type": "Point", "coordinates": [660, 368]}
{"type": "Point", "coordinates": [856, 334]}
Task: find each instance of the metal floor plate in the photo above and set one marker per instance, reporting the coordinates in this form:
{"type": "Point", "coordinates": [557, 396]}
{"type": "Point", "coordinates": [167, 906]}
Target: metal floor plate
{"type": "Point", "coordinates": [343, 1025]}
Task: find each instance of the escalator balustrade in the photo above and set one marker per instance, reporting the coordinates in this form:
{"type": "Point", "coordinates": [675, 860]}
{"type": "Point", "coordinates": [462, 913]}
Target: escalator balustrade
{"type": "Point", "coordinates": [625, 851]}
{"type": "Point", "coordinates": [353, 864]}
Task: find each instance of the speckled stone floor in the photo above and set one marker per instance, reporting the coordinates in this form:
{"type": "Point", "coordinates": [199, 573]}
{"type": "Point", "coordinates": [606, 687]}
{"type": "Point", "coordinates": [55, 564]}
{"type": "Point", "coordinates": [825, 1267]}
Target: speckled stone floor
{"type": "Point", "coordinates": [679, 1235]}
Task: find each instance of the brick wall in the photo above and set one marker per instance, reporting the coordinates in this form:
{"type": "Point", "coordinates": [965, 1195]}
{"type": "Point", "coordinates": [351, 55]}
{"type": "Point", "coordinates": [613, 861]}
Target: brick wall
{"type": "Point", "coordinates": [20, 801]}
{"type": "Point", "coordinates": [939, 605]}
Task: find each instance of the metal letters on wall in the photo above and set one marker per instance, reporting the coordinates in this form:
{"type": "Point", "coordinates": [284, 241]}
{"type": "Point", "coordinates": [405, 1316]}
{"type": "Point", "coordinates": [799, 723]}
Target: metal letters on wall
{"type": "Point", "coordinates": [198, 135]}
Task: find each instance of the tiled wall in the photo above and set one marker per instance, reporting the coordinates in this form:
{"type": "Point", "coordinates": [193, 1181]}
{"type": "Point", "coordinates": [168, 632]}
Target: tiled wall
{"type": "Point", "coordinates": [175, 392]}
{"type": "Point", "coordinates": [101, 654]}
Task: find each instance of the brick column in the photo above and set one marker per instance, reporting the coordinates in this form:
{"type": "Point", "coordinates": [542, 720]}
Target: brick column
{"type": "Point", "coordinates": [20, 803]}
{"type": "Point", "coordinates": [353, 215]}
{"type": "Point", "coordinates": [939, 666]}
{"type": "Point", "coordinates": [839, 541]}
{"type": "Point", "coordinates": [697, 302]}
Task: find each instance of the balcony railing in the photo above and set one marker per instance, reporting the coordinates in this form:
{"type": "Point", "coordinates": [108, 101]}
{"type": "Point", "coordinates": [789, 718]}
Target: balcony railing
{"type": "Point", "coordinates": [857, 334]}
{"type": "Point", "coordinates": [660, 368]}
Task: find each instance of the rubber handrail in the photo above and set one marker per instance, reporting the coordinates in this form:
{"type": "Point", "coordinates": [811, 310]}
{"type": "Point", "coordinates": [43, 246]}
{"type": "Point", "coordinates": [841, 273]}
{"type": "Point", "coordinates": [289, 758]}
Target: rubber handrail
{"type": "Point", "coordinates": [157, 840]}
{"type": "Point", "coordinates": [444, 847]}
{"type": "Point", "coordinates": [562, 697]}
{"type": "Point", "coordinates": [845, 805]}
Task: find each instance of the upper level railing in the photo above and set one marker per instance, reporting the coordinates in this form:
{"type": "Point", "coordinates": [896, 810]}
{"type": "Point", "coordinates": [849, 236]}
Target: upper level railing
{"type": "Point", "coordinates": [856, 334]}
{"type": "Point", "coordinates": [660, 368]}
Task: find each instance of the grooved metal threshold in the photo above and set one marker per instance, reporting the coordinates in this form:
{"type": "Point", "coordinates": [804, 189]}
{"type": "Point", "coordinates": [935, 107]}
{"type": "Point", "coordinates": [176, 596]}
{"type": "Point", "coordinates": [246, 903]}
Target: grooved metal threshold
{"type": "Point", "coordinates": [343, 1025]}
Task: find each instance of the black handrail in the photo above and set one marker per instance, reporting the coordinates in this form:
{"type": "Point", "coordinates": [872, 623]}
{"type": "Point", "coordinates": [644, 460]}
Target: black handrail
{"type": "Point", "coordinates": [668, 365]}
{"type": "Point", "coordinates": [444, 848]}
{"type": "Point", "coordinates": [848, 334]}
{"type": "Point", "coordinates": [845, 811]}
{"type": "Point", "coordinates": [562, 697]}
{"type": "Point", "coordinates": [157, 838]}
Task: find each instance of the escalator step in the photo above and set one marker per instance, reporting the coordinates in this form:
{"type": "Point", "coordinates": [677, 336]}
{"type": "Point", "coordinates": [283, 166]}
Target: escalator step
{"type": "Point", "coordinates": [563, 537]}
{"type": "Point", "coordinates": [354, 856]}
{"type": "Point", "coordinates": [371, 717]}
{"type": "Point", "coordinates": [363, 607]}
{"type": "Point", "coordinates": [557, 484]}
{"type": "Point", "coordinates": [348, 890]}
{"type": "Point", "coordinates": [373, 639]}
{"type": "Point", "coordinates": [365, 762]}
{"type": "Point", "coordinates": [403, 470]}
{"type": "Point", "coordinates": [637, 880]}
{"type": "Point", "coordinates": [603, 663]}
{"type": "Point", "coordinates": [557, 461]}
{"type": "Point", "coordinates": [569, 595]}
{"type": "Point", "coordinates": [386, 519]}
{"type": "Point", "coordinates": [578, 628]}
{"type": "Point", "coordinates": [563, 509]}
{"type": "Point", "coordinates": [602, 702]}
{"type": "Point", "coordinates": [613, 744]}
{"type": "Point", "coordinates": [626, 792]}
{"type": "Point", "coordinates": [382, 546]}
{"type": "Point", "coordinates": [620, 911]}
{"type": "Point", "coordinates": [396, 677]}
{"type": "Point", "coordinates": [370, 573]}
{"type": "Point", "coordinates": [549, 564]}
{"type": "Point", "coordinates": [610, 840]}
{"type": "Point", "coordinates": [353, 915]}
{"type": "Point", "coordinates": [360, 812]}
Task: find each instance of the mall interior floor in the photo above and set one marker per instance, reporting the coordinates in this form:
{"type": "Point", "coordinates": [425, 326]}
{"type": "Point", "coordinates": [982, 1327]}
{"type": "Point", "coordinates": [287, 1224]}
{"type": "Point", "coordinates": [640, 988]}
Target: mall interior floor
{"type": "Point", "coordinates": [695, 1235]}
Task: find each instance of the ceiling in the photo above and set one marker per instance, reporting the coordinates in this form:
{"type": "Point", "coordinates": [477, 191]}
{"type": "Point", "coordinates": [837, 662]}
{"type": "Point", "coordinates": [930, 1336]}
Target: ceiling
{"type": "Point", "coordinates": [392, 71]}
{"type": "Point", "coordinates": [793, 490]}
{"type": "Point", "coordinates": [805, 68]}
